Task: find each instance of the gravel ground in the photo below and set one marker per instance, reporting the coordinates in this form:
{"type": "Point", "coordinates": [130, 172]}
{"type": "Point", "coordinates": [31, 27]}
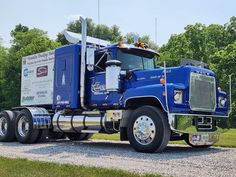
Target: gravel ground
{"type": "Point", "coordinates": [176, 160]}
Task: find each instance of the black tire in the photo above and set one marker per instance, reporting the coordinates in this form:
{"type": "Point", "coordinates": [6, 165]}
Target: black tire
{"type": "Point", "coordinates": [7, 134]}
{"type": "Point", "coordinates": [79, 136]}
{"type": "Point", "coordinates": [159, 132]}
{"type": "Point", "coordinates": [42, 137]}
{"type": "Point", "coordinates": [31, 135]}
{"type": "Point", "coordinates": [88, 136]}
{"type": "Point", "coordinates": [186, 139]}
{"type": "Point", "coordinates": [56, 135]}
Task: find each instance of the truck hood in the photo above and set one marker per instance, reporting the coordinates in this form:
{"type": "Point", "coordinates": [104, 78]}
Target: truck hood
{"type": "Point", "coordinates": [175, 75]}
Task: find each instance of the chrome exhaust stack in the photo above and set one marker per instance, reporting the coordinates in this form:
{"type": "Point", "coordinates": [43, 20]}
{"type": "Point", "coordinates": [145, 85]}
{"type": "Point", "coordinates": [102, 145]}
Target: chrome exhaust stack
{"type": "Point", "coordinates": [83, 63]}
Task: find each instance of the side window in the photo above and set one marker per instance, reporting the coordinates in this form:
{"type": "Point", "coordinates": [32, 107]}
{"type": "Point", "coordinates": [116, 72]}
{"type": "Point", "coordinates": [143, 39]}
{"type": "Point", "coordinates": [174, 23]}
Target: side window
{"type": "Point", "coordinates": [63, 70]}
{"type": "Point", "coordinates": [148, 63]}
{"type": "Point", "coordinates": [100, 62]}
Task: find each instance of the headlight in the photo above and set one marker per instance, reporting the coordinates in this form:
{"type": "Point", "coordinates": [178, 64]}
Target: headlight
{"type": "Point", "coordinates": [222, 102]}
{"type": "Point", "coordinates": [178, 96]}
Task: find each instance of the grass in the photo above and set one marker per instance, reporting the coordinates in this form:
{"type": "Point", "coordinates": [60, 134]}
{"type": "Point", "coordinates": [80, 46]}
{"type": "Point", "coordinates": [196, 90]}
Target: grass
{"type": "Point", "coordinates": [101, 136]}
{"type": "Point", "coordinates": [22, 167]}
{"type": "Point", "coordinates": [227, 139]}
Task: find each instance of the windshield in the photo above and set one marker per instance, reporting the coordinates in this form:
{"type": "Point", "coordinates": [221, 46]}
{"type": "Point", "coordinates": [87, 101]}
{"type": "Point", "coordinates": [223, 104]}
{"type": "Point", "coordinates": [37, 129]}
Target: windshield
{"type": "Point", "coordinates": [131, 61]}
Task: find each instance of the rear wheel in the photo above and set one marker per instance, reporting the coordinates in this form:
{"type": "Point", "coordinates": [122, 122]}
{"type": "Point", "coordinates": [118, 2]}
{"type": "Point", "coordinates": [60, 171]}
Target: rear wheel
{"type": "Point", "coordinates": [148, 129]}
{"type": "Point", "coordinates": [7, 123]}
{"type": "Point", "coordinates": [79, 136]}
{"type": "Point", "coordinates": [25, 133]}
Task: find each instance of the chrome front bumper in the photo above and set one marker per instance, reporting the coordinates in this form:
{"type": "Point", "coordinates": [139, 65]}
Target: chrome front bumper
{"type": "Point", "coordinates": [196, 123]}
{"type": "Point", "coordinates": [203, 139]}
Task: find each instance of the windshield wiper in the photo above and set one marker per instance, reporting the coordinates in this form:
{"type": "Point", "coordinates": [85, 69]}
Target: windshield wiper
{"type": "Point", "coordinates": [135, 69]}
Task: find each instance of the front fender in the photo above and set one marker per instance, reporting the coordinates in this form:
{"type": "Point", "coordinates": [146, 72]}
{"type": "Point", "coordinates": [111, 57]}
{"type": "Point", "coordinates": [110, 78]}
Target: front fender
{"type": "Point", "coordinates": [154, 91]}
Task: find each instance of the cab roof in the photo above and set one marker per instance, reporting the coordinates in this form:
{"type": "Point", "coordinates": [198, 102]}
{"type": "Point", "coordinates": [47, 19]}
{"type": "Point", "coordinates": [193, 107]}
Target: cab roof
{"type": "Point", "coordinates": [129, 47]}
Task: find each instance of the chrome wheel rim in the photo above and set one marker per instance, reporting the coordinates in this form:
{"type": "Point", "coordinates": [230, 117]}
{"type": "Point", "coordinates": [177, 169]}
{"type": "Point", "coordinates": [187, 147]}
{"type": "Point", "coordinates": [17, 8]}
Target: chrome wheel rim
{"type": "Point", "coordinates": [3, 126]}
{"type": "Point", "coordinates": [144, 130]}
{"type": "Point", "coordinates": [23, 126]}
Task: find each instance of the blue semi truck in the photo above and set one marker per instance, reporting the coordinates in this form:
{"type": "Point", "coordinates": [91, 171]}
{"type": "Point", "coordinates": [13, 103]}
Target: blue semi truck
{"type": "Point", "coordinates": [117, 89]}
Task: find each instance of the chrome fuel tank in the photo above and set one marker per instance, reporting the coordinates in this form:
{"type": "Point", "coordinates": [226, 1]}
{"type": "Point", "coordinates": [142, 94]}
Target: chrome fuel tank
{"type": "Point", "coordinates": [76, 123]}
{"type": "Point", "coordinates": [92, 121]}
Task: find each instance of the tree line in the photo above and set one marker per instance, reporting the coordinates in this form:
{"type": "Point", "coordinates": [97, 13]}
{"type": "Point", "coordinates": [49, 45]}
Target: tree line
{"type": "Point", "coordinates": [213, 44]}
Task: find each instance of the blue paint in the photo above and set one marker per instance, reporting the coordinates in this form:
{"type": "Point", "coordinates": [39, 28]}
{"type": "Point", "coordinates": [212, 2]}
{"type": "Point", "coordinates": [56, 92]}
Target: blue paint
{"type": "Point", "coordinates": [143, 83]}
{"type": "Point", "coordinates": [66, 77]}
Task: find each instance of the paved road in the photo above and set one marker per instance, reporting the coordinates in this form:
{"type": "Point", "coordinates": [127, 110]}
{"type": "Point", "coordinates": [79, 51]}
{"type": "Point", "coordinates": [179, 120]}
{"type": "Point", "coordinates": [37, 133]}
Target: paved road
{"type": "Point", "coordinates": [177, 160]}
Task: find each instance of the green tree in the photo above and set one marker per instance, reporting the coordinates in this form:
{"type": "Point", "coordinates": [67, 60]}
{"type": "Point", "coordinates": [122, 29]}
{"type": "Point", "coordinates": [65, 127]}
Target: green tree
{"type": "Point", "coordinates": [3, 56]}
{"type": "Point", "coordinates": [25, 42]}
{"type": "Point", "coordinates": [176, 49]}
{"type": "Point", "coordinates": [224, 64]}
{"type": "Point", "coordinates": [231, 29]}
{"type": "Point", "coordinates": [198, 42]}
{"type": "Point", "coordinates": [98, 31]}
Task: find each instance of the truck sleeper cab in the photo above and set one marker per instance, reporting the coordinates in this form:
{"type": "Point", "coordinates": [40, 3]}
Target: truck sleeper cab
{"type": "Point", "coordinates": [117, 88]}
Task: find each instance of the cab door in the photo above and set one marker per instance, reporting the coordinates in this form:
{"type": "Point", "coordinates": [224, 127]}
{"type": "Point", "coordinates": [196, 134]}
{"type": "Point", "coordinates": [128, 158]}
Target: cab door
{"type": "Point", "coordinates": [98, 96]}
{"type": "Point", "coordinates": [66, 77]}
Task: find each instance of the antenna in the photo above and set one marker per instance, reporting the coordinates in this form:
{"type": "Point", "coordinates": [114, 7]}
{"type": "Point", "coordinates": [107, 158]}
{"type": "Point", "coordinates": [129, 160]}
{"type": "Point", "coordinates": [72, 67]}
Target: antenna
{"type": "Point", "coordinates": [99, 12]}
{"type": "Point", "coordinates": [156, 31]}
{"type": "Point", "coordinates": [99, 22]}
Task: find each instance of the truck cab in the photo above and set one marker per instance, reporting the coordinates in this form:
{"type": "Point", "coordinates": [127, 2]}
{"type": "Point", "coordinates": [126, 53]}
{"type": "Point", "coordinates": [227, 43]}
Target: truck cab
{"type": "Point", "coordinates": [125, 80]}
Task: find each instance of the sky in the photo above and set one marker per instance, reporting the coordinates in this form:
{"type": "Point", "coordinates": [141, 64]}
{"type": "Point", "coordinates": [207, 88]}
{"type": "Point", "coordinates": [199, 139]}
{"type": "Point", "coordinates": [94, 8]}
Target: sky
{"type": "Point", "coordinates": [130, 15]}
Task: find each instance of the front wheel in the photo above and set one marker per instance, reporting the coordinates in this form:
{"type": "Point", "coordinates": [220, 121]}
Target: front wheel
{"type": "Point", "coordinates": [148, 129]}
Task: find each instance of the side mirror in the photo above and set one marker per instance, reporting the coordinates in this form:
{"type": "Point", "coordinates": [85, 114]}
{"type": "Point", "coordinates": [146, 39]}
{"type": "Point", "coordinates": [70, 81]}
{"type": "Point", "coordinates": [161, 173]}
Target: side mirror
{"type": "Point", "coordinates": [113, 70]}
{"type": "Point", "coordinates": [90, 58]}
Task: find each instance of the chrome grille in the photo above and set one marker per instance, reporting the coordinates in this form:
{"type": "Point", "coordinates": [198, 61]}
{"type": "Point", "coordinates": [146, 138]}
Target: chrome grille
{"type": "Point", "coordinates": [202, 93]}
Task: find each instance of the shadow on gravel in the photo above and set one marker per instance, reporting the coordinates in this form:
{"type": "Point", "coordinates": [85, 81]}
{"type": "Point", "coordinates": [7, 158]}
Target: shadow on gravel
{"type": "Point", "coordinates": [101, 149]}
